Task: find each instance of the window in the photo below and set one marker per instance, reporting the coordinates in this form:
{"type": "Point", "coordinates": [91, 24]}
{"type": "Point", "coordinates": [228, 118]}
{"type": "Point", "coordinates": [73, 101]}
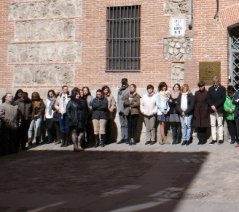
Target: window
{"type": "Point", "coordinates": [123, 38]}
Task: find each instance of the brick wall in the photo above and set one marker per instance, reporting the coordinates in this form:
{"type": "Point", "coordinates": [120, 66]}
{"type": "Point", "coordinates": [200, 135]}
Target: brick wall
{"type": "Point", "coordinates": [210, 43]}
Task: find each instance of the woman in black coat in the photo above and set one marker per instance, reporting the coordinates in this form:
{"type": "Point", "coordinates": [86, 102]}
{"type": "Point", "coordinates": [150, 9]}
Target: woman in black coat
{"type": "Point", "coordinates": [201, 115]}
{"type": "Point", "coordinates": [76, 110]}
{"type": "Point", "coordinates": [99, 117]}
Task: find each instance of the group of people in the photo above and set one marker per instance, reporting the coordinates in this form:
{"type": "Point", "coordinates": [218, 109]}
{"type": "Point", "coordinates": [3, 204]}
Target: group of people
{"type": "Point", "coordinates": [80, 118]}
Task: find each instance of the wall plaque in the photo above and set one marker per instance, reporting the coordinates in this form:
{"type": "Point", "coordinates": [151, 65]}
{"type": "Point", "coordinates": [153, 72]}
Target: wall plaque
{"type": "Point", "coordinates": [207, 70]}
{"type": "Point", "coordinates": [177, 26]}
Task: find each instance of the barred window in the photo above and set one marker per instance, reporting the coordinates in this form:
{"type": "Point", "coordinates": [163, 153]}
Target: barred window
{"type": "Point", "coordinates": [123, 38]}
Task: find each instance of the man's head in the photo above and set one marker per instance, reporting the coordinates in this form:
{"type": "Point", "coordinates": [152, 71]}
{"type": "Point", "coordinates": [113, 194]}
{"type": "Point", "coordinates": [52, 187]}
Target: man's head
{"type": "Point", "coordinates": [124, 82]}
{"type": "Point", "coordinates": [150, 89]}
{"type": "Point", "coordinates": [65, 89]}
{"type": "Point", "coordinates": [216, 80]}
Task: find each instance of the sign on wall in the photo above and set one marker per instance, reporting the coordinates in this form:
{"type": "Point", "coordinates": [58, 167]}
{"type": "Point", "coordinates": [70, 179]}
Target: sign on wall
{"type": "Point", "coordinates": [177, 26]}
{"type": "Point", "coordinates": [207, 70]}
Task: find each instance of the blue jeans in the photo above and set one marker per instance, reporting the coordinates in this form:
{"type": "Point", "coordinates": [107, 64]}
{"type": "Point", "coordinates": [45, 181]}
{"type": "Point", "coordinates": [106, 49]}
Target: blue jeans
{"type": "Point", "coordinates": [124, 126]}
{"type": "Point", "coordinates": [36, 126]}
{"type": "Point", "coordinates": [64, 123]}
{"type": "Point", "coordinates": [186, 127]}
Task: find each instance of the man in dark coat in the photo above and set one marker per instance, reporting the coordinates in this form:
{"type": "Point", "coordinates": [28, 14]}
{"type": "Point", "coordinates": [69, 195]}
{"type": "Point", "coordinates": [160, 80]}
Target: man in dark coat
{"type": "Point", "coordinates": [10, 118]}
{"type": "Point", "coordinates": [201, 115]}
{"type": "Point", "coordinates": [216, 98]}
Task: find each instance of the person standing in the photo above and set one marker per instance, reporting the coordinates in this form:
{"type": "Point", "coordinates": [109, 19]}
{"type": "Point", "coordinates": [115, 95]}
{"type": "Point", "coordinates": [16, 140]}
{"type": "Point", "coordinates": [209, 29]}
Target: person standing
{"type": "Point", "coordinates": [38, 108]}
{"type": "Point", "coordinates": [148, 108]}
{"type": "Point", "coordinates": [89, 131]}
{"type": "Point", "coordinates": [131, 111]}
{"type": "Point", "coordinates": [76, 110]}
{"type": "Point", "coordinates": [123, 91]}
{"type": "Point", "coordinates": [162, 100]}
{"type": "Point", "coordinates": [185, 108]}
{"type": "Point", "coordinates": [10, 119]}
{"type": "Point", "coordinates": [49, 115]}
{"type": "Point", "coordinates": [216, 98]}
{"type": "Point", "coordinates": [112, 112]}
{"type": "Point", "coordinates": [60, 106]}
{"type": "Point", "coordinates": [99, 117]}
{"type": "Point", "coordinates": [174, 118]}
{"type": "Point", "coordinates": [25, 109]}
{"type": "Point", "coordinates": [229, 108]}
{"type": "Point", "coordinates": [201, 115]}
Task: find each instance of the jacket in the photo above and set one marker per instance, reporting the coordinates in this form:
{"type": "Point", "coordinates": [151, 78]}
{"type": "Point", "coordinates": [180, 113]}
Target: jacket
{"type": "Point", "coordinates": [38, 108]}
{"type": "Point", "coordinates": [148, 105]}
{"type": "Point", "coordinates": [229, 105]}
{"type": "Point", "coordinates": [190, 105]}
{"type": "Point", "coordinates": [201, 115]}
{"type": "Point", "coordinates": [9, 115]}
{"type": "Point", "coordinates": [76, 111]}
{"type": "Point", "coordinates": [111, 105]}
{"type": "Point", "coordinates": [121, 97]}
{"type": "Point", "coordinates": [216, 97]}
{"type": "Point", "coordinates": [100, 108]}
{"type": "Point", "coordinates": [132, 106]}
{"type": "Point", "coordinates": [162, 104]}
{"type": "Point", "coordinates": [25, 109]}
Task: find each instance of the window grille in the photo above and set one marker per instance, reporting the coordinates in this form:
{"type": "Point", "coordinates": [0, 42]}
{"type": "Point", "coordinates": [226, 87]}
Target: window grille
{"type": "Point", "coordinates": [123, 38]}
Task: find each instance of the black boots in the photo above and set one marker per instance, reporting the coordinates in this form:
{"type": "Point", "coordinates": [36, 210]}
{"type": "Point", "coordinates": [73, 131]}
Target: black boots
{"type": "Point", "coordinates": [102, 140]}
{"type": "Point", "coordinates": [64, 138]}
{"type": "Point", "coordinates": [97, 140]}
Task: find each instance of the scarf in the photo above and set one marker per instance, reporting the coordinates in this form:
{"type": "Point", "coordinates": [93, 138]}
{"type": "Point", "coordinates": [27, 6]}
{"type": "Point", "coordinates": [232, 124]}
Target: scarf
{"type": "Point", "coordinates": [175, 94]}
{"type": "Point", "coordinates": [52, 101]}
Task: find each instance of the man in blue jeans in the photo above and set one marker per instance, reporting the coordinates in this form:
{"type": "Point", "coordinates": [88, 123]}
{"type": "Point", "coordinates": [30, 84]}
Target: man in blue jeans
{"type": "Point", "coordinates": [123, 91]}
{"type": "Point", "coordinates": [60, 106]}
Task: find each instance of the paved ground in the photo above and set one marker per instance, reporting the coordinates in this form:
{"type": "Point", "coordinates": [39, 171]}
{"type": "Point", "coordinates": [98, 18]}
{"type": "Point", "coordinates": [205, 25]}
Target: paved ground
{"type": "Point", "coordinates": [122, 178]}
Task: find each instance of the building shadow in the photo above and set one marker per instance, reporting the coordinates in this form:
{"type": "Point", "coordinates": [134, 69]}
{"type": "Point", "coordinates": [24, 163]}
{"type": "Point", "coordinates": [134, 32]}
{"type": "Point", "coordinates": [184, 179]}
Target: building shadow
{"type": "Point", "coordinates": [97, 180]}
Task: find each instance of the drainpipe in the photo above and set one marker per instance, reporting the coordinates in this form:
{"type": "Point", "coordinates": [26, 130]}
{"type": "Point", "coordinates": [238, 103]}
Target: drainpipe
{"type": "Point", "coordinates": [190, 21]}
{"type": "Point", "coordinates": [217, 12]}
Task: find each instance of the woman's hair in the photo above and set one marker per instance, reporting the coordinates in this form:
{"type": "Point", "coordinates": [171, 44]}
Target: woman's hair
{"type": "Point", "coordinates": [16, 95]}
{"type": "Point", "coordinates": [106, 87]}
{"type": "Point", "coordinates": [74, 92]}
{"type": "Point", "coordinates": [36, 96]}
{"type": "Point", "coordinates": [134, 86]}
{"type": "Point", "coordinates": [177, 84]}
{"type": "Point", "coordinates": [99, 91]}
{"type": "Point", "coordinates": [185, 86]}
{"type": "Point", "coordinates": [150, 87]}
{"type": "Point", "coordinates": [230, 89]}
{"type": "Point", "coordinates": [51, 91]}
{"type": "Point", "coordinates": [85, 87]}
{"type": "Point", "coordinates": [201, 83]}
{"type": "Point", "coordinates": [161, 85]}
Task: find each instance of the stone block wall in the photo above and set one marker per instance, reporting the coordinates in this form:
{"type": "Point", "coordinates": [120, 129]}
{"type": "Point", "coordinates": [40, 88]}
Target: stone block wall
{"type": "Point", "coordinates": [44, 49]}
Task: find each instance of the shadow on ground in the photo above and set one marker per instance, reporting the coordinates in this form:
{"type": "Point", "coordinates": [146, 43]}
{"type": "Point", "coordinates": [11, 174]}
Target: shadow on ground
{"type": "Point", "coordinates": [96, 181]}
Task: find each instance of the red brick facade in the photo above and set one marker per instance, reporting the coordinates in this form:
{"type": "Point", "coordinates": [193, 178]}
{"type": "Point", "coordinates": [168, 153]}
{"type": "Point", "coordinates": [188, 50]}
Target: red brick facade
{"type": "Point", "coordinates": [210, 42]}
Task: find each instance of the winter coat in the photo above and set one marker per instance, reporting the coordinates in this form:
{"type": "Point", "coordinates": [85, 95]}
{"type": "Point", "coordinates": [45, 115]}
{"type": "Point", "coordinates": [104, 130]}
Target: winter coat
{"type": "Point", "coordinates": [201, 115]}
{"type": "Point", "coordinates": [76, 111]}
{"type": "Point", "coordinates": [217, 98]}
{"type": "Point", "coordinates": [235, 101]}
{"type": "Point", "coordinates": [173, 105]}
{"type": "Point", "coordinates": [100, 108]}
{"type": "Point", "coordinates": [9, 115]}
{"type": "Point", "coordinates": [132, 107]}
{"type": "Point", "coordinates": [229, 105]}
{"type": "Point", "coordinates": [111, 105]}
{"type": "Point", "coordinates": [190, 106]}
{"type": "Point", "coordinates": [148, 105]}
{"type": "Point", "coordinates": [121, 97]}
{"type": "Point", "coordinates": [25, 109]}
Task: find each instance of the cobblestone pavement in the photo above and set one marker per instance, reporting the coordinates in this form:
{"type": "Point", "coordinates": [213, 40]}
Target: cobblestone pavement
{"type": "Point", "coordinates": [122, 178]}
